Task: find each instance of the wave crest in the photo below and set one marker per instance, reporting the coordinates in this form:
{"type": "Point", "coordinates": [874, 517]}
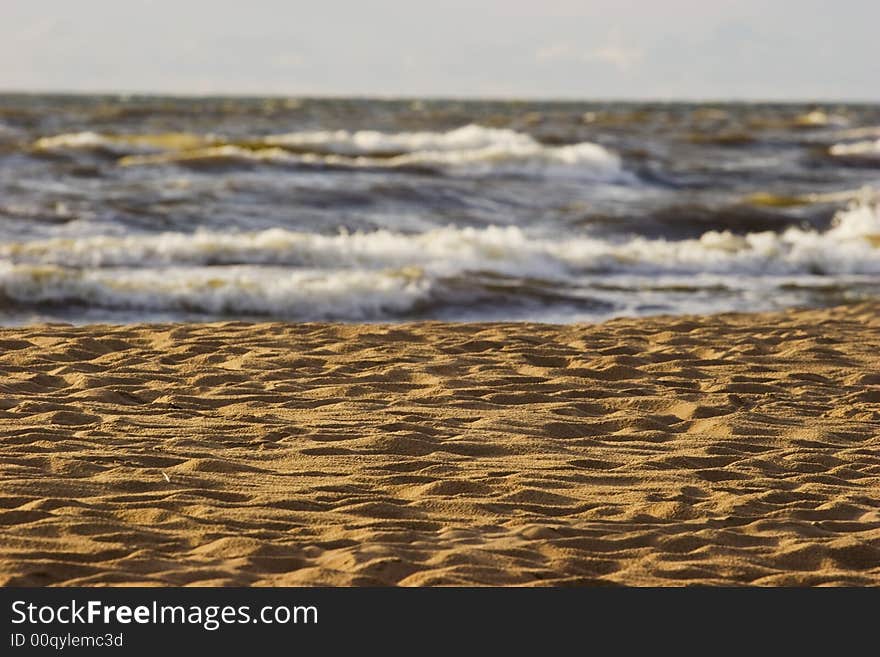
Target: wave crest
{"type": "Point", "coordinates": [848, 246]}
{"type": "Point", "coordinates": [859, 150]}
{"type": "Point", "coordinates": [385, 274]}
{"type": "Point", "coordinates": [470, 150]}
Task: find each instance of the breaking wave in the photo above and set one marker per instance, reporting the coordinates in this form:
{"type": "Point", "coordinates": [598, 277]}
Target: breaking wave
{"type": "Point", "coordinates": [470, 150]}
{"type": "Point", "coordinates": [382, 273]}
{"type": "Point", "coordinates": [868, 151]}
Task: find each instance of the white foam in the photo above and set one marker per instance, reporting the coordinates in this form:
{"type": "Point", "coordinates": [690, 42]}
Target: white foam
{"type": "Point", "coordinates": [370, 142]}
{"type": "Point", "coordinates": [470, 150]}
{"type": "Point", "coordinates": [376, 274]}
{"type": "Point", "coordinates": [231, 290]}
{"type": "Point", "coordinates": [867, 149]}
{"type": "Point", "coordinates": [91, 141]}
{"type": "Point", "coordinates": [586, 161]}
{"type": "Point", "coordinates": [820, 119]}
{"type": "Point", "coordinates": [473, 149]}
{"type": "Point", "coordinates": [124, 144]}
{"type": "Point", "coordinates": [849, 246]}
{"type": "Point", "coordinates": [73, 140]}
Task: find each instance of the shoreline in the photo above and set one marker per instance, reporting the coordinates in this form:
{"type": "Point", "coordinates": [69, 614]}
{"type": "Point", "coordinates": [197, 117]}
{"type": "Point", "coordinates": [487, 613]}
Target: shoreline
{"type": "Point", "coordinates": [664, 450]}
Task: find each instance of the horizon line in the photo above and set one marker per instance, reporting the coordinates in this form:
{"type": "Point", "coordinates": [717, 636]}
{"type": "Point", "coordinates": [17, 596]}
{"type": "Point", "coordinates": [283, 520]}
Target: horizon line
{"type": "Point", "coordinates": [745, 100]}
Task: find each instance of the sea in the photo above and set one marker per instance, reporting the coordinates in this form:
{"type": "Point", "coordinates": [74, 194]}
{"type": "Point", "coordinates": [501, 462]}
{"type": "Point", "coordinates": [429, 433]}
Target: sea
{"type": "Point", "coordinates": [125, 209]}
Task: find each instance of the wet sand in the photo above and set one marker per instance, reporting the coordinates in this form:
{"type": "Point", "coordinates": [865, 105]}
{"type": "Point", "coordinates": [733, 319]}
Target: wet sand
{"type": "Point", "coordinates": [728, 449]}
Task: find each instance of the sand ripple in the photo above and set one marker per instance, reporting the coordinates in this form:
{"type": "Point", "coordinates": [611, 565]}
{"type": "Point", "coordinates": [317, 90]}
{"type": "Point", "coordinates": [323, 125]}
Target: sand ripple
{"type": "Point", "coordinates": [732, 449]}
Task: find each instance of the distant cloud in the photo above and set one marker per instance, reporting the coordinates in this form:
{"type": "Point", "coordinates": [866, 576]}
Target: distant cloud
{"type": "Point", "coordinates": [686, 49]}
{"type": "Point", "coordinates": [558, 52]}
{"type": "Point", "coordinates": [613, 52]}
{"type": "Point", "coordinates": [622, 57]}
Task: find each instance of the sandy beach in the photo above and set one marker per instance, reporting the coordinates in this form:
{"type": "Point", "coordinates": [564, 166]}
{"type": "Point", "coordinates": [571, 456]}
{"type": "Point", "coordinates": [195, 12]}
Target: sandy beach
{"type": "Point", "coordinates": [725, 450]}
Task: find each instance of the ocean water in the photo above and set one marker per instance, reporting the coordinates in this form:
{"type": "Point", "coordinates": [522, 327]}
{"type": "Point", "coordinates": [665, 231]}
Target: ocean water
{"type": "Point", "coordinates": [130, 209]}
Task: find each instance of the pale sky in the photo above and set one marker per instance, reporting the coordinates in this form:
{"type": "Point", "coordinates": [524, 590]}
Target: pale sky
{"type": "Point", "coordinates": [602, 49]}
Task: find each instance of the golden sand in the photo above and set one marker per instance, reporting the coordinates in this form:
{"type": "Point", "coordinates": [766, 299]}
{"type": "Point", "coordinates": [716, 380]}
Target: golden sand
{"type": "Point", "coordinates": [731, 449]}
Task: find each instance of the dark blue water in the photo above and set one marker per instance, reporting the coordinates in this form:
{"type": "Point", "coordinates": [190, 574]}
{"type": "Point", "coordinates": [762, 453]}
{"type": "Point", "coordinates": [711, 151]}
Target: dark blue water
{"type": "Point", "coordinates": [141, 209]}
